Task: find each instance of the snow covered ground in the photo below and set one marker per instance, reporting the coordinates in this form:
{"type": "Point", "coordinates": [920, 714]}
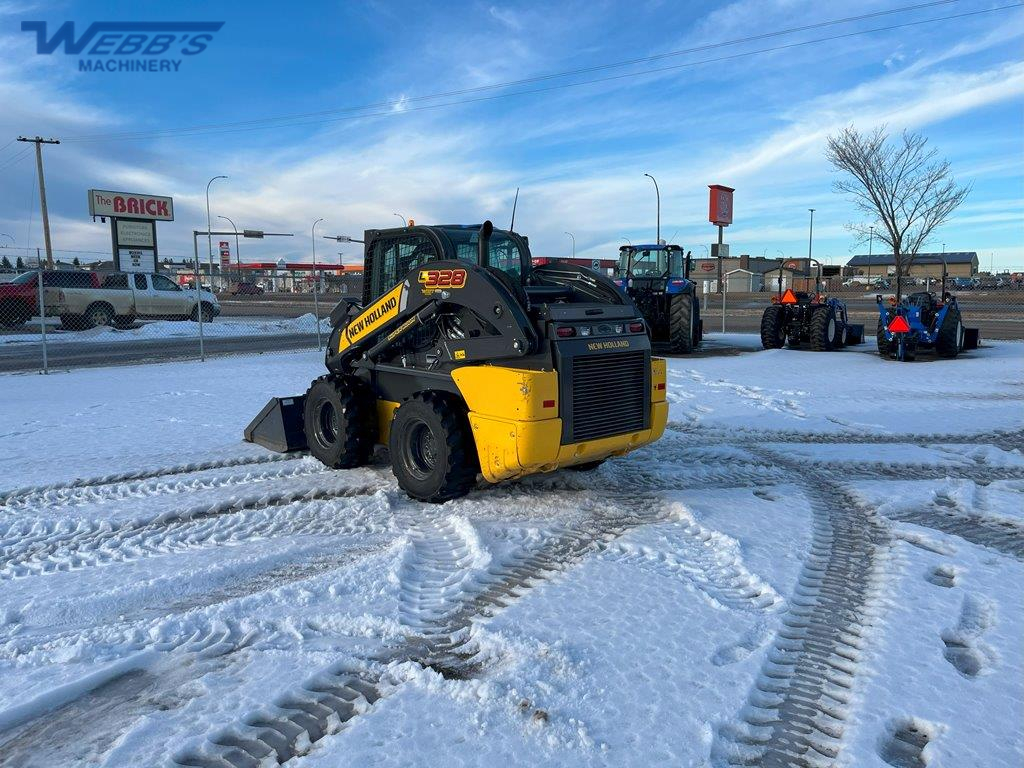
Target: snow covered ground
{"type": "Point", "coordinates": [221, 328]}
{"type": "Point", "coordinates": [819, 564]}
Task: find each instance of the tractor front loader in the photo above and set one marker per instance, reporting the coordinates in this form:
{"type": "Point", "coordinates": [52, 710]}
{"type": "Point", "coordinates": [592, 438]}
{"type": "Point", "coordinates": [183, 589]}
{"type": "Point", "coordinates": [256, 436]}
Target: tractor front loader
{"type": "Point", "coordinates": [463, 359]}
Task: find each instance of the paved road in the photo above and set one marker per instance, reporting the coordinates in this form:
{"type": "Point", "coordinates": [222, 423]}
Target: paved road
{"type": "Point", "coordinates": [28, 356]}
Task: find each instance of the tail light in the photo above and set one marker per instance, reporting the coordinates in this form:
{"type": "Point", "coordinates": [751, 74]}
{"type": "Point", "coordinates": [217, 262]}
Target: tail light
{"type": "Point", "coordinates": [565, 332]}
{"type": "Point", "coordinates": [636, 327]}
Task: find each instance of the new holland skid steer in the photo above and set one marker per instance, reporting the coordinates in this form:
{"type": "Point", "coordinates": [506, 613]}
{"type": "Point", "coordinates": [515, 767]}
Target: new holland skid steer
{"type": "Point", "coordinates": [463, 359]}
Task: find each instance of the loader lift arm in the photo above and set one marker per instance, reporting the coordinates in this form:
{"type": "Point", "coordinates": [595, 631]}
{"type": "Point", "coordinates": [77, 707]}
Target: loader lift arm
{"type": "Point", "coordinates": [490, 322]}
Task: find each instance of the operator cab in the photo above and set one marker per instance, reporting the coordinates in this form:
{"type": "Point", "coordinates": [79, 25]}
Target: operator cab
{"type": "Point", "coordinates": [649, 261]}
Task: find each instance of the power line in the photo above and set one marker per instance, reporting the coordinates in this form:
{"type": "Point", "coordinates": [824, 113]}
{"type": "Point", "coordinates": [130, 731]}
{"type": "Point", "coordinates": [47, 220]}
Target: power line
{"type": "Point", "coordinates": [313, 118]}
{"type": "Point", "coordinates": [14, 160]}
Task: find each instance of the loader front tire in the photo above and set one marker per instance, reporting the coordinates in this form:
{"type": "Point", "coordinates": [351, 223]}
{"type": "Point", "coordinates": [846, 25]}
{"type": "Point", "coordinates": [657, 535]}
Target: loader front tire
{"type": "Point", "coordinates": [340, 421]}
{"type": "Point", "coordinates": [433, 454]}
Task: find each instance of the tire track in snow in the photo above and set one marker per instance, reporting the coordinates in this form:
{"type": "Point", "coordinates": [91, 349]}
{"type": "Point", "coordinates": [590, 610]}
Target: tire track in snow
{"type": "Point", "coordinates": [87, 544]}
{"type": "Point", "coordinates": [123, 477]}
{"type": "Point", "coordinates": [796, 713]}
{"type": "Point", "coordinates": [61, 497]}
{"type": "Point", "coordinates": [707, 560]}
{"type": "Point", "coordinates": [1003, 535]}
{"type": "Point", "coordinates": [303, 715]}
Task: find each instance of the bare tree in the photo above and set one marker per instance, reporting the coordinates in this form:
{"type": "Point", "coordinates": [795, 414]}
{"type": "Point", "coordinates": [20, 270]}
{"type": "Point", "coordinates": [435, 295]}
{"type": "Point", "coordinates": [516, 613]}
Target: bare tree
{"type": "Point", "coordinates": [901, 186]}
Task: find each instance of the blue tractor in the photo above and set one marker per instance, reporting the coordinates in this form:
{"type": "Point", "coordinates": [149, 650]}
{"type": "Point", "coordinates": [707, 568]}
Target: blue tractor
{"type": "Point", "coordinates": [657, 279]}
{"type": "Point", "coordinates": [922, 322]}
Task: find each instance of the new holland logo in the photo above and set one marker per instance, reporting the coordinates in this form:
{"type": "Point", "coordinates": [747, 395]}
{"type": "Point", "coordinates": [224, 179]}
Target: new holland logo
{"type": "Point", "coordinates": [386, 308]}
{"type": "Point", "coordinates": [127, 46]}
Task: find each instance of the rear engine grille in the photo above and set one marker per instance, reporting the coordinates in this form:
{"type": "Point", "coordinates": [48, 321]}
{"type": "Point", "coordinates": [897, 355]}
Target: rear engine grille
{"type": "Point", "coordinates": [609, 395]}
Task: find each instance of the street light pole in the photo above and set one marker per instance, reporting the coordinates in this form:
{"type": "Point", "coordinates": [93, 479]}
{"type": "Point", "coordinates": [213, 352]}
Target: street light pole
{"type": "Point", "coordinates": [238, 257]}
{"type": "Point", "coordinates": [13, 241]}
{"type": "Point", "coordinates": [657, 192]}
{"type": "Point", "coordinates": [405, 221]}
{"type": "Point", "coordinates": [209, 227]}
{"type": "Point", "coordinates": [570, 234]}
{"type": "Point", "coordinates": [316, 281]}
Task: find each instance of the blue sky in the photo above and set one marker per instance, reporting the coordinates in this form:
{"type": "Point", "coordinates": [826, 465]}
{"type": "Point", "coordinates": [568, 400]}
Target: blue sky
{"type": "Point", "coordinates": [756, 122]}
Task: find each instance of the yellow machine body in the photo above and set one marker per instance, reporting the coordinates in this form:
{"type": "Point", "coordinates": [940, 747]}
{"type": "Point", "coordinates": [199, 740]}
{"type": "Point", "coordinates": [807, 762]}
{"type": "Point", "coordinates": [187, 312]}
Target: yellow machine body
{"type": "Point", "coordinates": [513, 415]}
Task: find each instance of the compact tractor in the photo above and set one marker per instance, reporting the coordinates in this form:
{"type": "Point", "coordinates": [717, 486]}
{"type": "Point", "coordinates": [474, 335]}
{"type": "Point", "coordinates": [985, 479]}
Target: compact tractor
{"type": "Point", "coordinates": [657, 279]}
{"type": "Point", "coordinates": [922, 322]}
{"type": "Point", "coordinates": [800, 317]}
{"type": "Point", "coordinates": [464, 359]}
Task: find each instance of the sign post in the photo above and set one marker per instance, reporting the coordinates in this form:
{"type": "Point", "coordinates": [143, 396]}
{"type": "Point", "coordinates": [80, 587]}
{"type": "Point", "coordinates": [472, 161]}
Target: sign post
{"type": "Point", "coordinates": [720, 214]}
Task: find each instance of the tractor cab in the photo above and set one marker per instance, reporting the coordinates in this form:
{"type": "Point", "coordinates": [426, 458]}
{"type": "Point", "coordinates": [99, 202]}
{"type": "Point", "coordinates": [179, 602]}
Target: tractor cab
{"type": "Point", "coordinates": [657, 278]}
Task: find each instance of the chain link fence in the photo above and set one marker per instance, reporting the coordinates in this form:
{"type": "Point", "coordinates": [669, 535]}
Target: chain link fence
{"type": "Point", "coordinates": [74, 317]}
{"type": "Point", "coordinates": [66, 318]}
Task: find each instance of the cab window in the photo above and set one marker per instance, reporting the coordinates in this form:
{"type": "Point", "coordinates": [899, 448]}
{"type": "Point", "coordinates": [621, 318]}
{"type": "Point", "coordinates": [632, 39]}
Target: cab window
{"type": "Point", "coordinates": [161, 283]}
{"type": "Point", "coordinates": [393, 257]}
{"type": "Point", "coordinates": [140, 282]}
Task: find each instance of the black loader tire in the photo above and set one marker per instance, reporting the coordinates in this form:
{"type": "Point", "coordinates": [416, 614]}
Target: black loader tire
{"type": "Point", "coordinates": [773, 327]}
{"type": "Point", "coordinates": [950, 339]}
{"type": "Point", "coordinates": [825, 329]}
{"type": "Point", "coordinates": [340, 421]}
{"type": "Point", "coordinates": [433, 454]}
{"type": "Point", "coordinates": [680, 323]}
{"type": "Point", "coordinates": [885, 348]}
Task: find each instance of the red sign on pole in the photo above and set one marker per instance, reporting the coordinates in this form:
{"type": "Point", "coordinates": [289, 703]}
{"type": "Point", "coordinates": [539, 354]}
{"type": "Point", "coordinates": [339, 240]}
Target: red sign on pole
{"type": "Point", "coordinates": [225, 253]}
{"type": "Point", "coordinates": [720, 205]}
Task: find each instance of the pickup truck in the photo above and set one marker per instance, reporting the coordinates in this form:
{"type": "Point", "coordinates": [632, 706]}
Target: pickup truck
{"type": "Point", "coordinates": [121, 297]}
{"type": "Point", "coordinates": [19, 298]}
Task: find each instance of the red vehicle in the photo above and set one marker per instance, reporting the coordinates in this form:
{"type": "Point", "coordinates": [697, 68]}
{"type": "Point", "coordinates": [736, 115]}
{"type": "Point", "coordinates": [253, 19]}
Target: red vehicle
{"type": "Point", "coordinates": [245, 289]}
{"type": "Point", "coordinates": [19, 299]}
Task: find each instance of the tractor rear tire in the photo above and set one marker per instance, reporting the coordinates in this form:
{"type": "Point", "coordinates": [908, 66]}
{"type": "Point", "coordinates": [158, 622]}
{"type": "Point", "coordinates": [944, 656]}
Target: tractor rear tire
{"type": "Point", "coordinates": [680, 323]}
{"type": "Point", "coordinates": [773, 327]}
{"type": "Point", "coordinates": [433, 454]}
{"type": "Point", "coordinates": [340, 421]}
{"type": "Point", "coordinates": [950, 340]}
{"type": "Point", "coordinates": [885, 348]}
{"type": "Point", "coordinates": [825, 330]}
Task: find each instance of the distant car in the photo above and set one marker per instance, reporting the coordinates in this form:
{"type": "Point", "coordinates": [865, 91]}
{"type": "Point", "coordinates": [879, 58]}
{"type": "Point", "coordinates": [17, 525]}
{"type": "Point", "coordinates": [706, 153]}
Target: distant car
{"type": "Point", "coordinates": [964, 283]}
{"type": "Point", "coordinates": [245, 289]}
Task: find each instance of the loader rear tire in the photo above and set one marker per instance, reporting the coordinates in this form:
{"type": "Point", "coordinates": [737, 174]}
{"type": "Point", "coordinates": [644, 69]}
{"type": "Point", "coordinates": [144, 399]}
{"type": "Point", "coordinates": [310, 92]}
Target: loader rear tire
{"type": "Point", "coordinates": [340, 421]}
{"type": "Point", "coordinates": [825, 330]}
{"type": "Point", "coordinates": [680, 323]}
{"type": "Point", "coordinates": [773, 327]}
{"type": "Point", "coordinates": [950, 339]}
{"type": "Point", "coordinates": [586, 466]}
{"type": "Point", "coordinates": [433, 454]}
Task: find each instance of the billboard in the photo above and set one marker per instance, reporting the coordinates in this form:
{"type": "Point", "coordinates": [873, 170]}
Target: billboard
{"type": "Point", "coordinates": [130, 205]}
{"type": "Point", "coordinates": [720, 205]}
{"type": "Point", "coordinates": [225, 253]}
{"type": "Point", "coordinates": [136, 260]}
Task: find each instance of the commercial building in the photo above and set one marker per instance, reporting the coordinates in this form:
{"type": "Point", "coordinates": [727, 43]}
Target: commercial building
{"type": "Point", "coordinates": [958, 264]}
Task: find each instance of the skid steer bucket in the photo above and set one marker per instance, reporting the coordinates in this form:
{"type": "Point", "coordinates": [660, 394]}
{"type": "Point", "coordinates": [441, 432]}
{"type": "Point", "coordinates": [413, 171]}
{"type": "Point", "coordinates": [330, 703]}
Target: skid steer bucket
{"type": "Point", "coordinates": [279, 425]}
{"type": "Point", "coordinates": [972, 338]}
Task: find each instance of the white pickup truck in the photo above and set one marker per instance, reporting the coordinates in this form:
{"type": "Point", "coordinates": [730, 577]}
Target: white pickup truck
{"type": "Point", "coordinates": [124, 296]}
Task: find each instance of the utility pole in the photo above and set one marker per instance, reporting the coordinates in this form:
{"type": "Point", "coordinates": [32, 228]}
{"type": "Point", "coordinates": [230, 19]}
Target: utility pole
{"type": "Point", "coordinates": [39, 141]}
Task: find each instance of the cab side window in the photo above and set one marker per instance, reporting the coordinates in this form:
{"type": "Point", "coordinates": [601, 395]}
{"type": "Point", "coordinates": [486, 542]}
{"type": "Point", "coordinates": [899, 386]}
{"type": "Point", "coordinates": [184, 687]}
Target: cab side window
{"type": "Point", "coordinates": [140, 282]}
{"type": "Point", "coordinates": [394, 257]}
{"type": "Point", "coordinates": [161, 283]}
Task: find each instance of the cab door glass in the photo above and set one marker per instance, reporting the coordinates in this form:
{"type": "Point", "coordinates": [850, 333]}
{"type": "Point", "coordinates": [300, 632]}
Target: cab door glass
{"type": "Point", "coordinates": [161, 283]}
{"type": "Point", "coordinates": [140, 282]}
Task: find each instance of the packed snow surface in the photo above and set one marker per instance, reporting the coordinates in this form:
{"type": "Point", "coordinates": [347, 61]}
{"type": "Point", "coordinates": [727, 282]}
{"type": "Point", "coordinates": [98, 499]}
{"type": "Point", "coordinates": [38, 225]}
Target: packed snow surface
{"type": "Point", "coordinates": [820, 564]}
